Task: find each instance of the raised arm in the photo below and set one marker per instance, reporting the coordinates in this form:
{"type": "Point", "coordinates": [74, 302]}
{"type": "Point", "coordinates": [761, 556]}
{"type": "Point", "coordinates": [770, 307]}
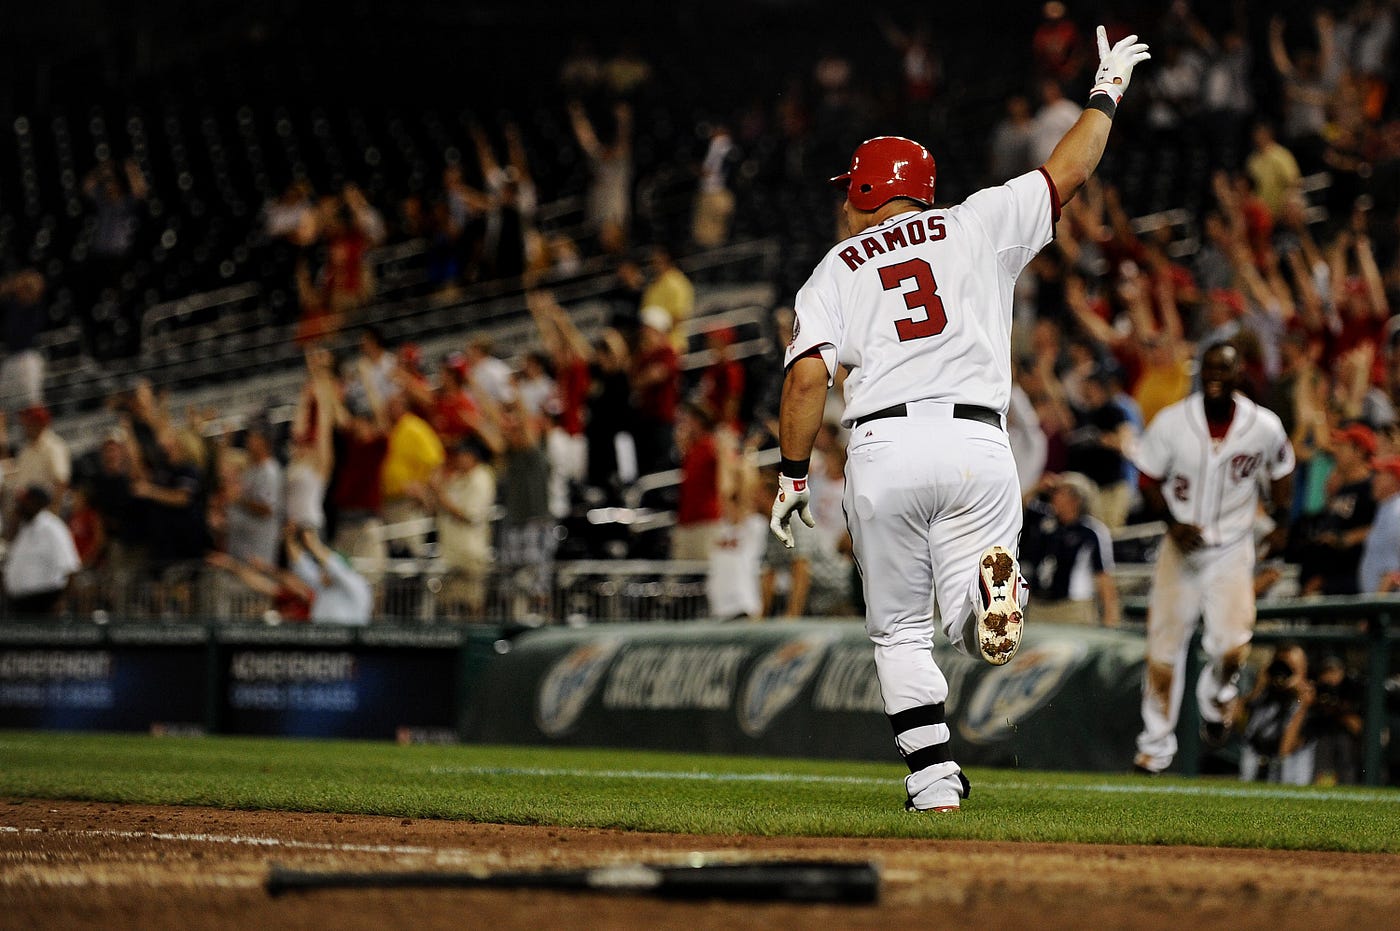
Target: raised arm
{"type": "Point", "coordinates": [515, 151]}
{"type": "Point", "coordinates": [583, 130]}
{"type": "Point", "coordinates": [541, 309]}
{"type": "Point", "coordinates": [1277, 51]}
{"type": "Point", "coordinates": [622, 113]}
{"type": "Point", "coordinates": [250, 577]}
{"type": "Point", "coordinates": [1371, 275]}
{"type": "Point", "coordinates": [1077, 154]}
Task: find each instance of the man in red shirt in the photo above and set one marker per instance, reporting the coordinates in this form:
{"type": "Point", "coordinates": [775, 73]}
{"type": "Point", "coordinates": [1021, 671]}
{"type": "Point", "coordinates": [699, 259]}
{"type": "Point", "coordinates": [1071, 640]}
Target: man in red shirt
{"type": "Point", "coordinates": [722, 382]}
{"type": "Point", "coordinates": [698, 508]}
{"type": "Point", "coordinates": [356, 492]}
{"type": "Point", "coordinates": [656, 388]}
{"type": "Point", "coordinates": [457, 414]}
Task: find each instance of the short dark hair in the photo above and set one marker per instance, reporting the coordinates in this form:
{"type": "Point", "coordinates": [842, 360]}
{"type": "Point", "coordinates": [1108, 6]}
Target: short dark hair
{"type": "Point", "coordinates": [38, 495]}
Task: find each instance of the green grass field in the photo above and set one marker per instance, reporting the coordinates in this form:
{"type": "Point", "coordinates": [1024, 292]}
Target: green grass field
{"type": "Point", "coordinates": [685, 793]}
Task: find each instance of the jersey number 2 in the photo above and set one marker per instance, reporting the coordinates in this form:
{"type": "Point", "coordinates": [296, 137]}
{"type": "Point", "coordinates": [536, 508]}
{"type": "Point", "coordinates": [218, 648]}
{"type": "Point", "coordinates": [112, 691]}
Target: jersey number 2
{"type": "Point", "coordinates": [923, 296]}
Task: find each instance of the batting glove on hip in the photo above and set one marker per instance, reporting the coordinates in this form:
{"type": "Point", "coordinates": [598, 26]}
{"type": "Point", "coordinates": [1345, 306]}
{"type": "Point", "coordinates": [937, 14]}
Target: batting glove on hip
{"type": "Point", "coordinates": [792, 496]}
{"type": "Point", "coordinates": [1116, 65]}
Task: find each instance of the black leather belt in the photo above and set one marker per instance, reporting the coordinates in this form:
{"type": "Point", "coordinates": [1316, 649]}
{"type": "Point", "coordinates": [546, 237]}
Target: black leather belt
{"type": "Point", "coordinates": [960, 411]}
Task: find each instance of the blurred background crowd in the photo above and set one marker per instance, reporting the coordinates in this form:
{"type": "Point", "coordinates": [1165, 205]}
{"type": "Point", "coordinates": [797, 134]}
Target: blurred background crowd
{"type": "Point", "coordinates": [432, 324]}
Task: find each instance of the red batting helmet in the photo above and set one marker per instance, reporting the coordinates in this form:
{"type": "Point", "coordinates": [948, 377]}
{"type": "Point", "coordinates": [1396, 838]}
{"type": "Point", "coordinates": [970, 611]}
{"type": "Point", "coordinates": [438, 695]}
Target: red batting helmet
{"type": "Point", "coordinates": [887, 167]}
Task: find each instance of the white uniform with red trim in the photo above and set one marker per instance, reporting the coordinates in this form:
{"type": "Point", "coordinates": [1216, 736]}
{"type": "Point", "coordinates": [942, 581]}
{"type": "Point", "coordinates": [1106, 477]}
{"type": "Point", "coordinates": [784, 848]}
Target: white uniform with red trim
{"type": "Point", "coordinates": [920, 306]}
{"type": "Point", "coordinates": [1216, 485]}
{"type": "Point", "coordinates": [919, 309]}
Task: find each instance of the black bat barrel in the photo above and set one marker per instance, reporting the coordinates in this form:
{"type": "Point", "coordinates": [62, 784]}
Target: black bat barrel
{"type": "Point", "coordinates": [781, 881]}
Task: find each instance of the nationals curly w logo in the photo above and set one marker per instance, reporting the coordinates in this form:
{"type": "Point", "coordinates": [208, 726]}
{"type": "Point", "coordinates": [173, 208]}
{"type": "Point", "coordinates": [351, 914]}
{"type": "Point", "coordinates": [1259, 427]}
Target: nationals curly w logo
{"type": "Point", "coordinates": [1242, 466]}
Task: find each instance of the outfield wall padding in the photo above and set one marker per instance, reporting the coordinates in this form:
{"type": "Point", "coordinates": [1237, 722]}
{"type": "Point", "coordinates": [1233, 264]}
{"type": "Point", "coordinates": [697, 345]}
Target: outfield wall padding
{"type": "Point", "coordinates": [1069, 700]}
{"type": "Point", "coordinates": [284, 681]}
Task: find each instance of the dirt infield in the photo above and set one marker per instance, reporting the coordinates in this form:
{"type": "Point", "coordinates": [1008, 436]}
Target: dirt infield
{"type": "Point", "coordinates": [69, 864]}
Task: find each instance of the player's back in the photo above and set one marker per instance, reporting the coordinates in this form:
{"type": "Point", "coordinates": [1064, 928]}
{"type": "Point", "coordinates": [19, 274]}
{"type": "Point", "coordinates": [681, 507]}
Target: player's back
{"type": "Point", "coordinates": [920, 306]}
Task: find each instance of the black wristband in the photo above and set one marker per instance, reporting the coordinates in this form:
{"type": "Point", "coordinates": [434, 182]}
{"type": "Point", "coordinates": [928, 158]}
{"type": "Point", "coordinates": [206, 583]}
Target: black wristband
{"type": "Point", "coordinates": [794, 468]}
{"type": "Point", "coordinates": [1282, 517]}
{"type": "Point", "coordinates": [1102, 103]}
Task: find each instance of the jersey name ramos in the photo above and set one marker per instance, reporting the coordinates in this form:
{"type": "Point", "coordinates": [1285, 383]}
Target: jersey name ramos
{"type": "Point", "coordinates": [919, 307]}
{"type": "Point", "coordinates": [1216, 485]}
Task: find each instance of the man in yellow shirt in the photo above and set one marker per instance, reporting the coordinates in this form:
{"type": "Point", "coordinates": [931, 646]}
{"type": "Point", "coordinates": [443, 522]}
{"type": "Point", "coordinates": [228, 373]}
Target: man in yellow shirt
{"type": "Point", "coordinates": [415, 453]}
{"type": "Point", "coordinates": [1272, 169]}
{"type": "Point", "coordinates": [1166, 374]}
{"type": "Point", "coordinates": [672, 291]}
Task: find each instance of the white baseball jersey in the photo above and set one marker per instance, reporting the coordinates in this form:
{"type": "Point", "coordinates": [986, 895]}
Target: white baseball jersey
{"type": "Point", "coordinates": [919, 307]}
{"type": "Point", "coordinates": [1215, 485]}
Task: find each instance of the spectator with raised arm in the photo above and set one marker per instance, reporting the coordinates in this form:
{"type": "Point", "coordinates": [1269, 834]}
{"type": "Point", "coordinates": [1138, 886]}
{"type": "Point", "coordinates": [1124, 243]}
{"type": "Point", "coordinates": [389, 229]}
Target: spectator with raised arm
{"type": "Point", "coordinates": [714, 201]}
{"type": "Point", "coordinates": [339, 594]}
{"type": "Point", "coordinates": [288, 597]}
{"type": "Point", "coordinates": [610, 190]}
{"type": "Point", "coordinates": [571, 356]}
{"type": "Point", "coordinates": [512, 203]}
{"type": "Point", "coordinates": [312, 457]}
{"type": "Point", "coordinates": [1309, 79]}
{"type": "Point", "coordinates": [356, 492]}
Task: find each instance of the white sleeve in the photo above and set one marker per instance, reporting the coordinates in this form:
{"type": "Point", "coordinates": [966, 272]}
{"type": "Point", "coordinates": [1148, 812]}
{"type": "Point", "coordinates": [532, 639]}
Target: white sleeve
{"type": "Point", "coordinates": [1018, 217]}
{"type": "Point", "coordinates": [67, 553]}
{"type": "Point", "coordinates": [816, 323]}
{"type": "Point", "coordinates": [1281, 460]}
{"type": "Point", "coordinates": [1153, 454]}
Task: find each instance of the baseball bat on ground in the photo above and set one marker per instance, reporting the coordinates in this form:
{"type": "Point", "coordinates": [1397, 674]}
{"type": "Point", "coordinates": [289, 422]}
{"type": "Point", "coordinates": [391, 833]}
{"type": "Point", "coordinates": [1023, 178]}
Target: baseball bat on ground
{"type": "Point", "coordinates": [782, 881]}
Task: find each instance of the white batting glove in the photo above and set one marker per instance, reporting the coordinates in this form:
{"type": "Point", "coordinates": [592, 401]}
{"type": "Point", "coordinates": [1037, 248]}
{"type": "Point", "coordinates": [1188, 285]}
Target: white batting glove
{"type": "Point", "coordinates": [792, 496]}
{"type": "Point", "coordinates": [1116, 65]}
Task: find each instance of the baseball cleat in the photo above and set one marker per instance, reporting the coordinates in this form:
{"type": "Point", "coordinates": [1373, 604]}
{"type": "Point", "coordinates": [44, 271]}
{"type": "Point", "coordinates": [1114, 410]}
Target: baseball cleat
{"type": "Point", "coordinates": [1142, 766]}
{"type": "Point", "coordinates": [941, 809]}
{"type": "Point", "coordinates": [946, 797]}
{"type": "Point", "coordinates": [999, 620]}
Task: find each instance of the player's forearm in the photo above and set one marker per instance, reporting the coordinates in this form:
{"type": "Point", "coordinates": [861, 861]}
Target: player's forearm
{"type": "Point", "coordinates": [800, 416]}
{"type": "Point", "coordinates": [1077, 154]}
{"type": "Point", "coordinates": [1281, 500]}
{"type": "Point", "coordinates": [1156, 501]}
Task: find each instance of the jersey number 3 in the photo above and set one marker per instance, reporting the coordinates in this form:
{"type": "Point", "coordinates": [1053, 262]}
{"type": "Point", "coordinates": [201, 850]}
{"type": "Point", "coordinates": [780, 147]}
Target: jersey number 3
{"type": "Point", "coordinates": [923, 296]}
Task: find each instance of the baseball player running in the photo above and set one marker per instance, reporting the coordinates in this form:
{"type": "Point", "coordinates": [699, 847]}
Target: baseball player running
{"type": "Point", "coordinates": [1206, 461]}
{"type": "Point", "coordinates": [916, 303]}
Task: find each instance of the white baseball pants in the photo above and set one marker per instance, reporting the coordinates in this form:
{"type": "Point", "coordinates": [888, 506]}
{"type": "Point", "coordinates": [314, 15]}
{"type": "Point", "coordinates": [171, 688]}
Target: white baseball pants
{"type": "Point", "coordinates": [925, 495]}
{"type": "Point", "coordinates": [1216, 584]}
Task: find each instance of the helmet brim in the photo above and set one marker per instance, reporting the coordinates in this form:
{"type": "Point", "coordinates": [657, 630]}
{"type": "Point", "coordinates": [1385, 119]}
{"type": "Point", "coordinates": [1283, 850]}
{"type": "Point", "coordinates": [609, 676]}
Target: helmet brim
{"type": "Point", "coordinates": [842, 181]}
